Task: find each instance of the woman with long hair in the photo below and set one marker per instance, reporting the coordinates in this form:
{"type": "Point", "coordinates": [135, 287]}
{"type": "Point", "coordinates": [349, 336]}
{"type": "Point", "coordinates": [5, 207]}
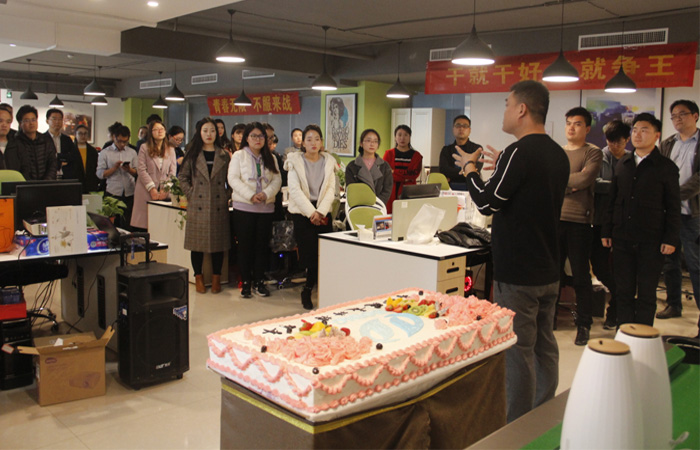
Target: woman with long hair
{"type": "Point", "coordinates": [255, 179]}
{"type": "Point", "coordinates": [405, 162]}
{"type": "Point", "coordinates": [312, 188]}
{"type": "Point", "coordinates": [157, 163]}
{"type": "Point", "coordinates": [237, 137]}
{"type": "Point", "coordinates": [203, 179]}
{"type": "Point", "coordinates": [224, 141]}
{"type": "Point", "coordinates": [370, 168]}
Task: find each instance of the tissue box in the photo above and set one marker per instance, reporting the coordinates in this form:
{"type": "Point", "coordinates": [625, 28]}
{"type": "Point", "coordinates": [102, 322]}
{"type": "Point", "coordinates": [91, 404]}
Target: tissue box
{"type": "Point", "coordinates": [97, 239]}
{"type": "Point", "coordinates": [33, 245]}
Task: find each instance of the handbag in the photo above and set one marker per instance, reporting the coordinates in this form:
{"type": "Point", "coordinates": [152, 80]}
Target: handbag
{"type": "Point", "coordinates": [283, 236]}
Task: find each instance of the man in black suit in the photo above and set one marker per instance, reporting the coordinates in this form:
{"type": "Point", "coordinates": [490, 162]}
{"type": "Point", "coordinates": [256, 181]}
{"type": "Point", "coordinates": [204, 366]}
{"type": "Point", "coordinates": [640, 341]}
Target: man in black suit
{"type": "Point", "coordinates": [642, 222]}
{"type": "Point", "coordinates": [69, 166]}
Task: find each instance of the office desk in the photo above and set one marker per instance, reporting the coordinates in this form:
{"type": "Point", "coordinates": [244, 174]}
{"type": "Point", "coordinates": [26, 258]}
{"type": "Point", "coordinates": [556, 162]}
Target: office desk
{"type": "Point", "coordinates": [350, 269]}
{"type": "Point", "coordinates": [89, 292]}
{"type": "Point", "coordinates": [167, 217]}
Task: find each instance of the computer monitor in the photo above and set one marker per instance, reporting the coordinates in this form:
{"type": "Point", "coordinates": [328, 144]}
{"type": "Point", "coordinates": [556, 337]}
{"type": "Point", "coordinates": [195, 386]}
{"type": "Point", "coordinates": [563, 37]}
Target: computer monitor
{"type": "Point", "coordinates": [10, 187]}
{"type": "Point", "coordinates": [420, 191]}
{"type": "Point", "coordinates": [31, 199]}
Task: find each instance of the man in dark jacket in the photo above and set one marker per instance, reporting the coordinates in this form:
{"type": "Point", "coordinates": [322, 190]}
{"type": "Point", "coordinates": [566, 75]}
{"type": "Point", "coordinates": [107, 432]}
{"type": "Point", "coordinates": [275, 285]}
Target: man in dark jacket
{"type": "Point", "coordinates": [642, 223]}
{"type": "Point", "coordinates": [33, 155]}
{"type": "Point", "coordinates": [69, 166]}
{"type": "Point", "coordinates": [461, 129]}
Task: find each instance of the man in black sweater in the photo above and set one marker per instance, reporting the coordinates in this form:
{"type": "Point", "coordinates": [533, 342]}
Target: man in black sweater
{"type": "Point", "coordinates": [461, 129]}
{"type": "Point", "coordinates": [642, 222]}
{"type": "Point", "coordinates": [525, 195]}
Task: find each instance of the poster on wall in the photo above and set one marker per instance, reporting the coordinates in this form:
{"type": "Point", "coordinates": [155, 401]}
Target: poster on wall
{"type": "Point", "coordinates": [605, 107]}
{"type": "Point", "coordinates": [341, 121]}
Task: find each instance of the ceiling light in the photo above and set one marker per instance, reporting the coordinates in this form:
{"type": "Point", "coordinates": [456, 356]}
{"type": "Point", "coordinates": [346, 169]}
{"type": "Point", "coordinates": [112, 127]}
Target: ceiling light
{"type": "Point", "coordinates": [56, 103]}
{"type": "Point", "coordinates": [100, 100]}
{"type": "Point", "coordinates": [398, 90]}
{"type": "Point", "coordinates": [13, 45]}
{"type": "Point", "coordinates": [621, 83]}
{"type": "Point", "coordinates": [152, 4]}
{"type": "Point", "coordinates": [242, 100]}
{"type": "Point", "coordinates": [94, 87]}
{"type": "Point", "coordinates": [324, 82]}
{"type": "Point", "coordinates": [561, 70]}
{"type": "Point", "coordinates": [473, 51]}
{"type": "Point", "coordinates": [230, 53]}
{"type": "Point", "coordinates": [29, 94]}
{"type": "Point", "coordinates": [160, 103]}
{"type": "Point", "coordinates": [175, 94]}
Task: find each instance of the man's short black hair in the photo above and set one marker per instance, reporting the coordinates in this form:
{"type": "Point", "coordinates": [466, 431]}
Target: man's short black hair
{"type": "Point", "coordinates": [52, 111]}
{"type": "Point", "coordinates": [461, 116]}
{"type": "Point", "coordinates": [691, 105]}
{"type": "Point", "coordinates": [123, 131]}
{"type": "Point", "coordinates": [535, 96]}
{"type": "Point", "coordinates": [616, 130]}
{"type": "Point", "coordinates": [580, 111]}
{"type": "Point", "coordinates": [646, 117]}
{"type": "Point", "coordinates": [296, 129]}
{"type": "Point", "coordinates": [24, 110]}
{"type": "Point", "coordinates": [152, 118]}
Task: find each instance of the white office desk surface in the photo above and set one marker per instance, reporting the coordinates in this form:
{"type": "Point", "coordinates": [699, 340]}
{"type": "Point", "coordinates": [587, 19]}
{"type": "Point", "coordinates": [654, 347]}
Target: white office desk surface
{"type": "Point", "coordinates": [351, 269]}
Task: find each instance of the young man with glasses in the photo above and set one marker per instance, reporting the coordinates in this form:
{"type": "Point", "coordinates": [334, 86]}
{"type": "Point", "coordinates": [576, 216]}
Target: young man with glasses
{"type": "Point", "coordinates": [117, 164]}
{"type": "Point", "coordinates": [69, 166]}
{"type": "Point", "coordinates": [461, 129]}
{"type": "Point", "coordinates": [33, 154]}
{"type": "Point", "coordinates": [682, 149]}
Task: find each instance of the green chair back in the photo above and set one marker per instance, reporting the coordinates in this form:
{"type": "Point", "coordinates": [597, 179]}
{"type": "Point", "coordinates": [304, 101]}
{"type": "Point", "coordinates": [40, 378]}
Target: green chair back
{"type": "Point", "coordinates": [436, 177]}
{"type": "Point", "coordinates": [10, 175]}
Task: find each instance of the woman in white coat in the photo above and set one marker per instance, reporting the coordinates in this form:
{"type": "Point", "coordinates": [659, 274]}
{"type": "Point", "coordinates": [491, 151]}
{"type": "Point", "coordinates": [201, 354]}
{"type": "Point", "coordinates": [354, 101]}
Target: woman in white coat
{"type": "Point", "coordinates": [312, 190]}
{"type": "Point", "coordinates": [255, 179]}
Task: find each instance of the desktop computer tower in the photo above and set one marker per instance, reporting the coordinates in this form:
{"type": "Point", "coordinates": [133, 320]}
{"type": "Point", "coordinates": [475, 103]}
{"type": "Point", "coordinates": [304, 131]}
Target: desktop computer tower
{"type": "Point", "coordinates": [16, 370]}
{"type": "Point", "coordinates": [153, 323]}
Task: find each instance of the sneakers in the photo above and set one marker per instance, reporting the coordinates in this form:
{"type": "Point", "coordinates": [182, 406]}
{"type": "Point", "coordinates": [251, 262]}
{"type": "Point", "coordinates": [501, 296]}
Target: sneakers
{"type": "Point", "coordinates": [306, 298]}
{"type": "Point", "coordinates": [609, 324]}
{"type": "Point", "coordinates": [246, 290]}
{"type": "Point", "coordinates": [261, 289]}
{"type": "Point", "coordinates": [582, 336]}
{"type": "Point", "coordinates": [669, 312]}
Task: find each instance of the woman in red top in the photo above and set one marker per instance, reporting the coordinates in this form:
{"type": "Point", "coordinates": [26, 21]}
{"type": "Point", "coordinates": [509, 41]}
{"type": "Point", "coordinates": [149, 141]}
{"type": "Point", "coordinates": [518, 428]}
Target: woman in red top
{"type": "Point", "coordinates": [406, 163]}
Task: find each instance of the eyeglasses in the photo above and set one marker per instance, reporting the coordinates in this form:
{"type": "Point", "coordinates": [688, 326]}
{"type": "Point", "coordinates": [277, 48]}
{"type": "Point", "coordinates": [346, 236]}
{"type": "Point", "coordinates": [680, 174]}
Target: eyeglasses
{"type": "Point", "coordinates": [122, 141]}
{"type": "Point", "coordinates": [177, 140]}
{"type": "Point", "coordinates": [461, 125]}
{"type": "Point", "coordinates": [257, 136]}
{"type": "Point", "coordinates": [370, 141]}
{"type": "Point", "coordinates": [679, 115]}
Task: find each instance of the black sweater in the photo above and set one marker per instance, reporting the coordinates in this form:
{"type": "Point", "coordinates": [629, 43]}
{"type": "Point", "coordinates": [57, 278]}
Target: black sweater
{"type": "Point", "coordinates": [525, 194]}
{"type": "Point", "coordinates": [447, 162]}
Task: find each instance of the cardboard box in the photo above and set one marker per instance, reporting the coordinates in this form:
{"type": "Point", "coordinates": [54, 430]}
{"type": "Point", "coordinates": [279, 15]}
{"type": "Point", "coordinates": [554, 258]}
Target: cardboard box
{"type": "Point", "coordinates": [69, 367]}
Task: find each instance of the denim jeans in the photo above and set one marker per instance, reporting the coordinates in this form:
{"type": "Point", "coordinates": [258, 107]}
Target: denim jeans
{"type": "Point", "coordinates": [532, 364]}
{"type": "Point", "coordinates": [690, 230]}
{"type": "Point", "coordinates": [575, 243]}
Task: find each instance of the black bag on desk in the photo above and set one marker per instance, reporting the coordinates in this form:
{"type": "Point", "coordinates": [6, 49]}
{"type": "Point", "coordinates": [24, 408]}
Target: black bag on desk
{"type": "Point", "coordinates": [283, 236]}
{"type": "Point", "coordinates": [466, 235]}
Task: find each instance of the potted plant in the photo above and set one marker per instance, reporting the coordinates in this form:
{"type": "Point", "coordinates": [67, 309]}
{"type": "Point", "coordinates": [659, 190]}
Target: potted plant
{"type": "Point", "coordinates": [111, 207]}
{"type": "Point", "coordinates": [177, 195]}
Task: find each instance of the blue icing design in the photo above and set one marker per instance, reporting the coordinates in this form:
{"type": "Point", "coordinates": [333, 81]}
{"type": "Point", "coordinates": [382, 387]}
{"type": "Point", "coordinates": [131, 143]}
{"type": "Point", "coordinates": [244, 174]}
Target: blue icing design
{"type": "Point", "coordinates": [407, 322]}
{"type": "Point", "coordinates": [380, 331]}
{"type": "Point", "coordinates": [377, 331]}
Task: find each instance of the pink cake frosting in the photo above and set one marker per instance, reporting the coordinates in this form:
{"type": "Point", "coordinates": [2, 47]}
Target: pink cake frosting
{"type": "Point", "coordinates": [380, 357]}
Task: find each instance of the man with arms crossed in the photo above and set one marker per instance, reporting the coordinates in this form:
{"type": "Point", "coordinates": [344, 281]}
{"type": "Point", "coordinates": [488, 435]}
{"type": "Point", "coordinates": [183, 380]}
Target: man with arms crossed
{"type": "Point", "coordinates": [525, 195]}
{"type": "Point", "coordinates": [461, 129]}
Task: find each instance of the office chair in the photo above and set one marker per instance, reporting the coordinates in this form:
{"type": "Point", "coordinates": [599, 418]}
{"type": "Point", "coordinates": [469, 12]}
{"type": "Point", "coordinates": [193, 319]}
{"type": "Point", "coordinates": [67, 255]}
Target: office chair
{"type": "Point", "coordinates": [10, 175]}
{"type": "Point", "coordinates": [362, 205]}
{"type": "Point", "coordinates": [436, 177]}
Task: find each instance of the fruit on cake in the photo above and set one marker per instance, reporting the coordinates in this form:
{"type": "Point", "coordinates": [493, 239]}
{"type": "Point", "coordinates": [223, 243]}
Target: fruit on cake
{"type": "Point", "coordinates": [361, 354]}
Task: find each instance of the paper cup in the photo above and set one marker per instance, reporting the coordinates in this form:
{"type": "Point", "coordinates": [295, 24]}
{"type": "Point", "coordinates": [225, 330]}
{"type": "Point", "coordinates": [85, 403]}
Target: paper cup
{"type": "Point", "coordinates": [651, 371]}
{"type": "Point", "coordinates": [603, 411]}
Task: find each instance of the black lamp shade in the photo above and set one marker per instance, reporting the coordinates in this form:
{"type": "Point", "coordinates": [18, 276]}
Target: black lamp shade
{"type": "Point", "coordinates": [473, 52]}
{"type": "Point", "coordinates": [621, 83]}
{"type": "Point", "coordinates": [560, 71]}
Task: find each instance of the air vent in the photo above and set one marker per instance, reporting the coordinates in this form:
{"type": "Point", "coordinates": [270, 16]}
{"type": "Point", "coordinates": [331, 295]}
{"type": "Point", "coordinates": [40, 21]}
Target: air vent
{"type": "Point", "coordinates": [207, 78]}
{"type": "Point", "coordinates": [636, 38]}
{"type": "Point", "coordinates": [254, 74]}
{"type": "Point", "coordinates": [441, 54]}
{"type": "Point", "coordinates": [155, 84]}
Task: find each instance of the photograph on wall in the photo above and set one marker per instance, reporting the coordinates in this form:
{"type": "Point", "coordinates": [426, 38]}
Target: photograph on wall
{"type": "Point", "coordinates": [75, 114]}
{"type": "Point", "coordinates": [341, 115]}
{"type": "Point", "coordinates": [605, 107]}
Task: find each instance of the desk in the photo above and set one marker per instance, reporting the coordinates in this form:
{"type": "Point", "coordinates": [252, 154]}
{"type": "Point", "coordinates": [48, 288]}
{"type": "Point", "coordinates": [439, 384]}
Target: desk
{"type": "Point", "coordinates": [89, 292]}
{"type": "Point", "coordinates": [167, 217]}
{"type": "Point", "coordinates": [350, 269]}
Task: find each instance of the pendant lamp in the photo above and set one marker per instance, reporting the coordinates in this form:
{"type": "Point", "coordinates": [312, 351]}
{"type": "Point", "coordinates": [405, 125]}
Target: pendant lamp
{"type": "Point", "coordinates": [56, 102]}
{"type": "Point", "coordinates": [160, 103]}
{"type": "Point", "coordinates": [230, 53]}
{"type": "Point", "coordinates": [100, 100]}
{"type": "Point", "coordinates": [324, 82]}
{"type": "Point", "coordinates": [398, 90]}
{"type": "Point", "coordinates": [175, 94]}
{"type": "Point", "coordinates": [29, 94]}
{"type": "Point", "coordinates": [561, 70]}
{"type": "Point", "coordinates": [94, 87]}
{"type": "Point", "coordinates": [621, 83]}
{"type": "Point", "coordinates": [242, 100]}
{"type": "Point", "coordinates": [473, 51]}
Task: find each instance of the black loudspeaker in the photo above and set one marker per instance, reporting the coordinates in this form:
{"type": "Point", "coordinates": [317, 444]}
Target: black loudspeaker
{"type": "Point", "coordinates": [16, 370]}
{"type": "Point", "coordinates": [153, 323]}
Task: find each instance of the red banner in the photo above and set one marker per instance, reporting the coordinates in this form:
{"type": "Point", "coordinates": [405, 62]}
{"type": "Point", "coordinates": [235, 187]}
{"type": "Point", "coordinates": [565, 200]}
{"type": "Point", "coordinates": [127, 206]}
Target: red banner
{"type": "Point", "coordinates": [269, 103]}
{"type": "Point", "coordinates": [653, 66]}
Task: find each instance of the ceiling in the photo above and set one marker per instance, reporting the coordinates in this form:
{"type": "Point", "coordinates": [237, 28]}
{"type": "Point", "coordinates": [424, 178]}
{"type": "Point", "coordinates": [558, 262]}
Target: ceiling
{"type": "Point", "coordinates": [131, 41]}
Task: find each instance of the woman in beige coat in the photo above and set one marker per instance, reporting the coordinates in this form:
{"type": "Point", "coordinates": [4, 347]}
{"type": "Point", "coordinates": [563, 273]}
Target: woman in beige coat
{"type": "Point", "coordinates": [203, 179]}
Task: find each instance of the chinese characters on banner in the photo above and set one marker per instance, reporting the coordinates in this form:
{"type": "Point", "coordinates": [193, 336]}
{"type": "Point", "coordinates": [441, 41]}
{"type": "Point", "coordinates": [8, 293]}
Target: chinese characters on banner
{"type": "Point", "coordinates": [653, 66]}
{"type": "Point", "coordinates": [270, 103]}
